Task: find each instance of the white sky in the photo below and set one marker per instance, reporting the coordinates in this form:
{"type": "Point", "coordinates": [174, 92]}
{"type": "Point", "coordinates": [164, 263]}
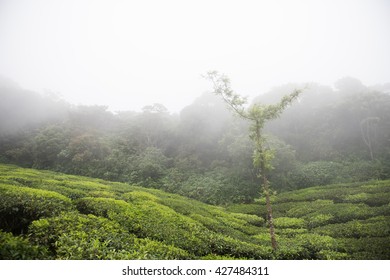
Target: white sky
{"type": "Point", "coordinates": [128, 54]}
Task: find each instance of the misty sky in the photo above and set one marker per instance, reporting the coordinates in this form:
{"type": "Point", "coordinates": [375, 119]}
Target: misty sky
{"type": "Point", "coordinates": [128, 54]}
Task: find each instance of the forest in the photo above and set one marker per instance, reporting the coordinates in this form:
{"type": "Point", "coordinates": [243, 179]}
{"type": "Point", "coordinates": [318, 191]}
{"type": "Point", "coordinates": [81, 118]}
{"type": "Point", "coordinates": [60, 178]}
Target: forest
{"type": "Point", "coordinates": [76, 181]}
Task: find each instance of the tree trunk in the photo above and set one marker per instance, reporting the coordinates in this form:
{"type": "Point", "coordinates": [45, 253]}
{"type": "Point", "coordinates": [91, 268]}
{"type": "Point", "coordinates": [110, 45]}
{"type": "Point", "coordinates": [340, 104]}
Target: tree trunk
{"type": "Point", "coordinates": [263, 170]}
{"type": "Point", "coordinates": [269, 213]}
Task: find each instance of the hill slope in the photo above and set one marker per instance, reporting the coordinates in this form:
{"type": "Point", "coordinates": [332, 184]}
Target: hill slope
{"type": "Point", "coordinates": [48, 215]}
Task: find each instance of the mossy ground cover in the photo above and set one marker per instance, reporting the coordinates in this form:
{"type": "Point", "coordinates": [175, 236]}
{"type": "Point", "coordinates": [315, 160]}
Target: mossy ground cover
{"type": "Point", "coordinates": [48, 215]}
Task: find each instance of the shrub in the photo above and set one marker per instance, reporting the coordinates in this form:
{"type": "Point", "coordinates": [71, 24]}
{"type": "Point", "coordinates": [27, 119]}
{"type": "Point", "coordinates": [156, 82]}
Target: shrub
{"type": "Point", "coordinates": [139, 196]}
{"type": "Point", "coordinates": [19, 206]}
{"type": "Point", "coordinates": [227, 246]}
{"type": "Point", "coordinates": [313, 221]}
{"type": "Point", "coordinates": [366, 248]}
{"type": "Point", "coordinates": [250, 219]}
{"type": "Point", "coordinates": [154, 250]}
{"type": "Point", "coordinates": [286, 222]}
{"type": "Point", "coordinates": [204, 188]}
{"type": "Point", "coordinates": [356, 198]}
{"type": "Point", "coordinates": [281, 209]}
{"type": "Point", "coordinates": [290, 232]}
{"type": "Point", "coordinates": [377, 199]}
{"type": "Point", "coordinates": [305, 246]}
{"type": "Point", "coordinates": [252, 209]}
{"type": "Point", "coordinates": [102, 194]}
{"type": "Point", "coordinates": [186, 206]}
{"type": "Point", "coordinates": [316, 174]}
{"type": "Point", "coordinates": [68, 192]}
{"type": "Point", "coordinates": [86, 185]}
{"type": "Point", "coordinates": [332, 255]}
{"type": "Point", "coordinates": [344, 212]}
{"type": "Point", "coordinates": [218, 257]}
{"type": "Point", "coordinates": [320, 173]}
{"type": "Point", "coordinates": [77, 236]}
{"type": "Point", "coordinates": [374, 227]}
{"type": "Point", "coordinates": [152, 220]}
{"type": "Point", "coordinates": [211, 224]}
{"type": "Point", "coordinates": [19, 248]}
{"type": "Point", "coordinates": [300, 209]}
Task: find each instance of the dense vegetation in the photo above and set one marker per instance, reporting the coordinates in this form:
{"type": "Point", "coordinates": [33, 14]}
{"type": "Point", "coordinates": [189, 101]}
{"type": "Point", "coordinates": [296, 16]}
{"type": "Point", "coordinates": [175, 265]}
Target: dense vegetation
{"type": "Point", "coordinates": [200, 196]}
{"type": "Point", "coordinates": [48, 215]}
{"type": "Point", "coordinates": [329, 136]}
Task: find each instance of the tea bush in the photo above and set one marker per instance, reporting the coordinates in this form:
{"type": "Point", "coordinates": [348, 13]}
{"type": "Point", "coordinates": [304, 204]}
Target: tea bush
{"type": "Point", "coordinates": [286, 222]}
{"type": "Point", "coordinates": [356, 198]}
{"type": "Point", "coordinates": [365, 248]}
{"type": "Point", "coordinates": [305, 246]}
{"type": "Point", "coordinates": [121, 221]}
{"type": "Point", "coordinates": [227, 246]}
{"type": "Point", "coordinates": [147, 249]}
{"type": "Point", "coordinates": [19, 248]}
{"type": "Point", "coordinates": [77, 236]}
{"type": "Point", "coordinates": [60, 235]}
{"type": "Point", "coordinates": [290, 232]}
{"type": "Point", "coordinates": [137, 196]}
{"type": "Point", "coordinates": [250, 219]}
{"type": "Point", "coordinates": [68, 192]}
{"type": "Point", "coordinates": [252, 209]}
{"type": "Point", "coordinates": [374, 227]}
{"type": "Point", "coordinates": [316, 220]}
{"type": "Point", "coordinates": [300, 209]}
{"type": "Point", "coordinates": [344, 212]}
{"type": "Point", "coordinates": [149, 219]}
{"type": "Point", "coordinates": [19, 206]}
{"type": "Point", "coordinates": [378, 199]}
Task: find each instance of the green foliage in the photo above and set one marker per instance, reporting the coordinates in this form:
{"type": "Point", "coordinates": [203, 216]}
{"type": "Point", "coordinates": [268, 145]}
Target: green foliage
{"type": "Point", "coordinates": [337, 192]}
{"type": "Point", "coordinates": [320, 173]}
{"type": "Point", "coordinates": [252, 209]}
{"type": "Point", "coordinates": [373, 227]}
{"type": "Point", "coordinates": [139, 196]}
{"type": "Point", "coordinates": [19, 248]}
{"type": "Point", "coordinates": [317, 174]}
{"type": "Point", "coordinates": [285, 222]}
{"type": "Point", "coordinates": [76, 236]}
{"type": "Point", "coordinates": [223, 245]}
{"type": "Point", "coordinates": [251, 219]}
{"type": "Point", "coordinates": [319, 220]}
{"type": "Point", "coordinates": [205, 188]}
{"type": "Point", "coordinates": [343, 212]}
{"type": "Point", "coordinates": [19, 206]}
{"type": "Point", "coordinates": [147, 218]}
{"type": "Point", "coordinates": [305, 246]}
{"type": "Point", "coordinates": [96, 219]}
{"type": "Point", "coordinates": [329, 136]}
{"type": "Point", "coordinates": [365, 248]}
{"type": "Point", "coordinates": [151, 167]}
{"type": "Point", "coordinates": [291, 232]}
{"type": "Point", "coordinates": [299, 209]}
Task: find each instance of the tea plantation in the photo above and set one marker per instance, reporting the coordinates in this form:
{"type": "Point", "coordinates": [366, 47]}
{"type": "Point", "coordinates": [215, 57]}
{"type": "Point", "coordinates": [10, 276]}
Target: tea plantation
{"type": "Point", "coordinates": [48, 215]}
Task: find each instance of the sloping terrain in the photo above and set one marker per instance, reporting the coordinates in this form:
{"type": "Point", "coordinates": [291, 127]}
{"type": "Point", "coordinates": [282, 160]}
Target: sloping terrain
{"type": "Point", "coordinates": [48, 215]}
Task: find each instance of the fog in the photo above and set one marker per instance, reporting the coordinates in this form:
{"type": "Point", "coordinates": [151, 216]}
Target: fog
{"type": "Point", "coordinates": [128, 54]}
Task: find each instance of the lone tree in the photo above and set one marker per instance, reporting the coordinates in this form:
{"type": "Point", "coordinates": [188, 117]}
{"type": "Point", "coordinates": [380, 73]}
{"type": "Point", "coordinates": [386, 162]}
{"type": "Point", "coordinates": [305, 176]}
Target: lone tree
{"type": "Point", "coordinates": [258, 115]}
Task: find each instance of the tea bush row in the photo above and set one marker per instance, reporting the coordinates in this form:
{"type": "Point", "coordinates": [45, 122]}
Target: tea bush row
{"type": "Point", "coordinates": [365, 248]}
{"type": "Point", "coordinates": [87, 237]}
{"type": "Point", "coordinates": [146, 218]}
{"type": "Point", "coordinates": [374, 227]}
{"type": "Point", "coordinates": [19, 206]}
{"type": "Point", "coordinates": [19, 248]}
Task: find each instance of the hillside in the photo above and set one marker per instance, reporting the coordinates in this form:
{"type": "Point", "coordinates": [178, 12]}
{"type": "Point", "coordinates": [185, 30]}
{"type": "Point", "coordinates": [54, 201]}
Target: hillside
{"type": "Point", "coordinates": [48, 215]}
